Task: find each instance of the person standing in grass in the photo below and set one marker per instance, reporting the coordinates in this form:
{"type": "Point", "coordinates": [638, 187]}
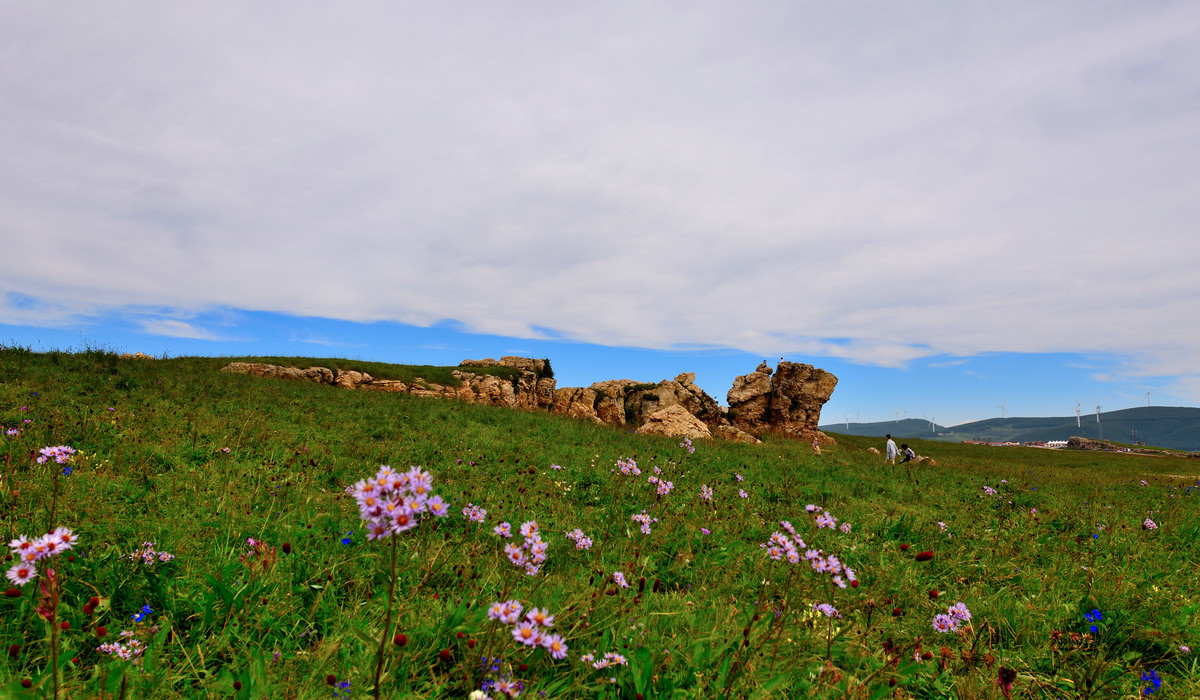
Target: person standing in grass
{"type": "Point", "coordinates": [909, 455]}
{"type": "Point", "coordinates": [891, 449]}
{"type": "Point", "coordinates": [816, 446]}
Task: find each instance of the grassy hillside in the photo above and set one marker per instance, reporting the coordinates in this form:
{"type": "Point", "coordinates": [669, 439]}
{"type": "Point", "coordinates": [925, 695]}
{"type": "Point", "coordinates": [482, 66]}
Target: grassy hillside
{"type": "Point", "coordinates": [1159, 426]}
{"type": "Point", "coordinates": [1078, 569]}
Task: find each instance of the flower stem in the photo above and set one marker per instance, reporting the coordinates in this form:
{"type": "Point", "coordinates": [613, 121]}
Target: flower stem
{"type": "Point", "coordinates": [387, 625]}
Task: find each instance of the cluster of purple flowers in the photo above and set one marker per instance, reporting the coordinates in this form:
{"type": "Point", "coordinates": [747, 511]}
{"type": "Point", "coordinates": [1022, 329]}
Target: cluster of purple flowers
{"type": "Point", "coordinates": [59, 453]}
{"type": "Point", "coordinates": [826, 609]}
{"type": "Point", "coordinates": [27, 552]}
{"type": "Point", "coordinates": [581, 540]}
{"type": "Point", "coordinates": [130, 648]}
{"type": "Point", "coordinates": [687, 445]}
{"type": "Point", "coordinates": [628, 467]}
{"type": "Point", "coordinates": [392, 502]}
{"type": "Point", "coordinates": [532, 630]}
{"type": "Point", "coordinates": [645, 520]}
{"type": "Point", "coordinates": [12, 432]}
{"type": "Point", "coordinates": [706, 493]}
{"type": "Point", "coordinates": [989, 490]}
{"type": "Point", "coordinates": [474, 513]}
{"type": "Point", "coordinates": [1149, 524]}
{"type": "Point", "coordinates": [663, 486]}
{"type": "Point", "coordinates": [530, 554]}
{"type": "Point", "coordinates": [619, 579]}
{"type": "Point", "coordinates": [612, 658]}
{"type": "Point", "coordinates": [148, 555]}
{"type": "Point", "coordinates": [781, 546]}
{"type": "Point", "coordinates": [952, 619]}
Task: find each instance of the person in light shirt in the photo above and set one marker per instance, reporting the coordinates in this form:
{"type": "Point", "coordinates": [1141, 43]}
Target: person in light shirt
{"type": "Point", "coordinates": [891, 449]}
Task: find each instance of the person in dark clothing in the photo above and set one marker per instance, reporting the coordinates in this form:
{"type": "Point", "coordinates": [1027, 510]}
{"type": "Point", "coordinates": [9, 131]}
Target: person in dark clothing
{"type": "Point", "coordinates": [909, 455]}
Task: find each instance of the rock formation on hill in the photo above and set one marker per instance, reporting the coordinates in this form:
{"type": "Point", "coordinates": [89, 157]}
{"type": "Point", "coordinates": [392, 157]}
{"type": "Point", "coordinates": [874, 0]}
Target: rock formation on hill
{"type": "Point", "coordinates": [788, 402]}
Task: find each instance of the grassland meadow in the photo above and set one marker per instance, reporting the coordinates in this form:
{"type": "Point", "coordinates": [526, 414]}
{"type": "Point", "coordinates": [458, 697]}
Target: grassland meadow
{"type": "Point", "coordinates": [178, 532]}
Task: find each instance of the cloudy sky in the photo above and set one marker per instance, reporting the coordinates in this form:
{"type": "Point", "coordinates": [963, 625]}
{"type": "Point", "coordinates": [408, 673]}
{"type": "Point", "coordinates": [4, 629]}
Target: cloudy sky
{"type": "Point", "coordinates": [912, 194]}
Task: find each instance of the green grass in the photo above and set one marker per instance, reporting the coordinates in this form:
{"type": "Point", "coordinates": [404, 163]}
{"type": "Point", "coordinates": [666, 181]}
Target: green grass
{"type": "Point", "coordinates": [378, 370]}
{"type": "Point", "coordinates": [714, 616]}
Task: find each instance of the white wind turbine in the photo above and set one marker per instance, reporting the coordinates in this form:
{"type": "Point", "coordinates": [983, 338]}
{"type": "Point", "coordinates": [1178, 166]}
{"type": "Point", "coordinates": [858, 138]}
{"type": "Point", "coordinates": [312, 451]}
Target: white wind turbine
{"type": "Point", "coordinates": [1097, 412]}
{"type": "Point", "coordinates": [847, 419]}
{"type": "Point", "coordinates": [1147, 396]}
{"type": "Point", "coordinates": [1003, 409]}
{"type": "Point", "coordinates": [1078, 412]}
{"type": "Point", "coordinates": [932, 425]}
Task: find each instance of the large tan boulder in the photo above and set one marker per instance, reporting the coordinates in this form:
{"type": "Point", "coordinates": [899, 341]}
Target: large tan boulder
{"type": "Point", "coordinates": [788, 400]}
{"type": "Point", "coordinates": [351, 379]}
{"type": "Point", "coordinates": [674, 421]}
{"type": "Point", "coordinates": [732, 434]}
{"type": "Point", "coordinates": [320, 375]}
{"type": "Point", "coordinates": [576, 403]}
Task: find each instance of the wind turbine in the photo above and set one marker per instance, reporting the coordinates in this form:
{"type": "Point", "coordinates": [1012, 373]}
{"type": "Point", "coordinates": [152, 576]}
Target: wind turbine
{"type": "Point", "coordinates": [847, 419]}
{"type": "Point", "coordinates": [858, 416]}
{"type": "Point", "coordinates": [1078, 423]}
{"type": "Point", "coordinates": [897, 415]}
{"type": "Point", "coordinates": [1147, 396]}
{"type": "Point", "coordinates": [1097, 413]}
{"type": "Point", "coordinates": [932, 425]}
{"type": "Point", "coordinates": [1003, 409]}
{"type": "Point", "coordinates": [1099, 428]}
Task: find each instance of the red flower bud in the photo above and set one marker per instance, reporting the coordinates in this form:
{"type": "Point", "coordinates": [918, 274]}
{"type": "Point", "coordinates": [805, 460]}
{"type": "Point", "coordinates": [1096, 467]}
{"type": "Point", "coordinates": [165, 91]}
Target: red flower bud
{"type": "Point", "coordinates": [101, 631]}
{"type": "Point", "coordinates": [927, 655]}
{"type": "Point", "coordinates": [904, 547]}
{"type": "Point", "coordinates": [400, 639]}
{"type": "Point", "coordinates": [13, 593]}
{"type": "Point", "coordinates": [896, 612]}
{"type": "Point", "coordinates": [287, 548]}
{"type": "Point", "coordinates": [237, 685]}
{"type": "Point", "coordinates": [70, 557]}
{"type": "Point", "coordinates": [13, 650]}
{"type": "Point", "coordinates": [330, 679]}
{"type": "Point", "coordinates": [444, 655]}
{"type": "Point", "coordinates": [94, 601]}
{"type": "Point", "coordinates": [65, 625]}
{"type": "Point", "coordinates": [26, 683]}
{"type": "Point", "coordinates": [470, 643]}
{"type": "Point", "coordinates": [925, 556]}
{"type": "Point", "coordinates": [854, 583]}
{"type": "Point", "coordinates": [933, 594]}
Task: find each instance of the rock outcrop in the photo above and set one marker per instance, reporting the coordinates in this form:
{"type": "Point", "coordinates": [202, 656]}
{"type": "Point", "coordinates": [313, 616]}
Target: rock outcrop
{"type": "Point", "coordinates": [674, 421]}
{"type": "Point", "coordinates": [787, 400]}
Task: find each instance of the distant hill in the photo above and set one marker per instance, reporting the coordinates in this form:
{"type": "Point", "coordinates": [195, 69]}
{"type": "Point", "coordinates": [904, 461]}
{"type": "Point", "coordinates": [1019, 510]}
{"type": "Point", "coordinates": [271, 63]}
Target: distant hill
{"type": "Point", "coordinates": [1176, 428]}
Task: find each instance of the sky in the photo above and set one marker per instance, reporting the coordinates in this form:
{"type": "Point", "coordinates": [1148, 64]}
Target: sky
{"type": "Point", "coordinates": [954, 208]}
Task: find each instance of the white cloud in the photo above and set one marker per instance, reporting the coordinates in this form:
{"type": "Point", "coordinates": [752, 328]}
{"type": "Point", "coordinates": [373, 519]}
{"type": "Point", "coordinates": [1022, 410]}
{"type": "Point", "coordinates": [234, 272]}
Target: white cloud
{"type": "Point", "coordinates": [175, 329]}
{"type": "Point", "coordinates": [878, 183]}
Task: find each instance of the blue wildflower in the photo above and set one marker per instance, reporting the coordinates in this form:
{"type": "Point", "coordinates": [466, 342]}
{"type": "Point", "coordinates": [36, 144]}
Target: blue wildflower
{"type": "Point", "coordinates": [346, 539]}
{"type": "Point", "coordinates": [141, 615]}
{"type": "Point", "coordinates": [1152, 678]}
{"type": "Point", "coordinates": [66, 471]}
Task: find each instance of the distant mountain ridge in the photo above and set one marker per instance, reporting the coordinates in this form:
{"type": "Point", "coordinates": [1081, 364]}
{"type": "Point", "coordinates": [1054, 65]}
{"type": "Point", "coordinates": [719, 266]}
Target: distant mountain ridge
{"type": "Point", "coordinates": [1174, 427]}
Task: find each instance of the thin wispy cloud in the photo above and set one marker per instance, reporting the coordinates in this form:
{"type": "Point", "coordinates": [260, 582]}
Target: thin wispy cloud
{"type": "Point", "coordinates": [176, 329]}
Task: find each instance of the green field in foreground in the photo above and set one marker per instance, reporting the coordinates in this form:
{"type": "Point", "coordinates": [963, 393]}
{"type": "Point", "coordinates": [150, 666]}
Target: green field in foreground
{"type": "Point", "coordinates": [1078, 569]}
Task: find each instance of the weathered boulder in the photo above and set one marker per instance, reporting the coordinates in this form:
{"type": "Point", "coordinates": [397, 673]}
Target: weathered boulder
{"type": "Point", "coordinates": [351, 379]}
{"type": "Point", "coordinates": [728, 432]}
{"type": "Point", "coordinates": [610, 401]}
{"type": "Point", "coordinates": [674, 421]}
{"type": "Point", "coordinates": [873, 450]}
{"type": "Point", "coordinates": [642, 400]}
{"type": "Point", "coordinates": [320, 375]}
{"type": "Point", "coordinates": [576, 403]}
{"type": "Point", "coordinates": [136, 356]}
{"type": "Point", "coordinates": [788, 400]}
{"type": "Point", "coordinates": [486, 389]}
